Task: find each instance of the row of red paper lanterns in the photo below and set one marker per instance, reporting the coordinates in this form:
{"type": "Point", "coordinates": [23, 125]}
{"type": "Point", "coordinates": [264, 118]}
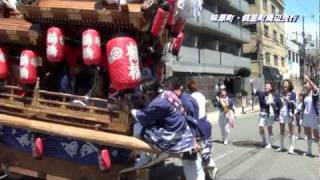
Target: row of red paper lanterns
{"type": "Point", "coordinates": [121, 52]}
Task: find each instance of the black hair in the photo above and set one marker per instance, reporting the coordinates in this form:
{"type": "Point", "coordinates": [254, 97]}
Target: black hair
{"type": "Point", "coordinates": [291, 87]}
{"type": "Point", "coordinates": [150, 86]}
{"type": "Point", "coordinates": [272, 90]}
{"type": "Point", "coordinates": [173, 83]}
{"type": "Point", "coordinates": [176, 83]}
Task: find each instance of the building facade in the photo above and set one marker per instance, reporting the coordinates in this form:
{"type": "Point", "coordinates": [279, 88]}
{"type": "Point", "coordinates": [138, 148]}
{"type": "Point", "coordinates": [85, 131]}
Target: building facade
{"type": "Point", "coordinates": [267, 47]}
{"type": "Point", "coordinates": [213, 51]}
{"type": "Point", "coordinates": [293, 60]}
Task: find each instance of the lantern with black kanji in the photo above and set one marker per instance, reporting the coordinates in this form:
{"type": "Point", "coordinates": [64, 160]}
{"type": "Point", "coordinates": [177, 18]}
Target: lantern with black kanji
{"type": "Point", "coordinates": [123, 63]}
{"type": "Point", "coordinates": [3, 64]}
{"type": "Point", "coordinates": [91, 50]}
{"type": "Point", "coordinates": [28, 67]}
{"type": "Point", "coordinates": [55, 45]}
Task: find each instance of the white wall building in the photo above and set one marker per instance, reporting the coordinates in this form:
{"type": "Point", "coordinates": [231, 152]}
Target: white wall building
{"type": "Point", "coordinates": [293, 60]}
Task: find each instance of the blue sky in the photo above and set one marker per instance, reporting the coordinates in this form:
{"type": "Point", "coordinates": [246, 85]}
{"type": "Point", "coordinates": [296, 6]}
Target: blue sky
{"type": "Point", "coordinates": [307, 8]}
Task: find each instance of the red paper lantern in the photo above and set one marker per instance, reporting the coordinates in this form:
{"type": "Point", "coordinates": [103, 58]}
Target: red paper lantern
{"type": "Point", "coordinates": [123, 62]}
{"type": "Point", "coordinates": [173, 7]}
{"type": "Point", "coordinates": [105, 161]}
{"type": "Point", "coordinates": [55, 45]}
{"type": "Point", "coordinates": [28, 67]}
{"type": "Point", "coordinates": [160, 21]}
{"type": "Point", "coordinates": [37, 149]}
{"type": "Point", "coordinates": [178, 27]}
{"type": "Point", "coordinates": [177, 43]}
{"type": "Point", "coordinates": [3, 64]}
{"type": "Point", "coordinates": [91, 48]}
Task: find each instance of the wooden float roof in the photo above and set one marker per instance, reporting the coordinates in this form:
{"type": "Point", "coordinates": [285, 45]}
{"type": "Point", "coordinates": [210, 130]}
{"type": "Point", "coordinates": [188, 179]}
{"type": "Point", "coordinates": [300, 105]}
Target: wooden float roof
{"type": "Point", "coordinates": [18, 31]}
{"type": "Point", "coordinates": [84, 13]}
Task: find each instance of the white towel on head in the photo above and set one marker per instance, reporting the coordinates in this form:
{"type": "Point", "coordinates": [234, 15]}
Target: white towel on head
{"type": "Point", "coordinates": [12, 4]}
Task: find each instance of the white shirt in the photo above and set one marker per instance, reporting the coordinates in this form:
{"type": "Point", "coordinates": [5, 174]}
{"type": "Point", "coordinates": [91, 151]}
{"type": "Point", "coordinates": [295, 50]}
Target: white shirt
{"type": "Point", "coordinates": [284, 108]}
{"type": "Point", "coordinates": [269, 102]}
{"type": "Point", "coordinates": [309, 106]}
{"type": "Point", "coordinates": [201, 100]}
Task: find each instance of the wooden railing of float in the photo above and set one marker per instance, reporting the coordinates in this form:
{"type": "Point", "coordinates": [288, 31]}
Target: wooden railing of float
{"type": "Point", "coordinates": [98, 114]}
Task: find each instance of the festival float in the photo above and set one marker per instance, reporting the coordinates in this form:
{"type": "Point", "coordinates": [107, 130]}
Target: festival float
{"type": "Point", "coordinates": [68, 71]}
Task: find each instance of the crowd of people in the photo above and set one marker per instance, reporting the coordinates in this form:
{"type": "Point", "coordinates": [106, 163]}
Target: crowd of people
{"type": "Point", "coordinates": [287, 108]}
{"type": "Point", "coordinates": [174, 121]}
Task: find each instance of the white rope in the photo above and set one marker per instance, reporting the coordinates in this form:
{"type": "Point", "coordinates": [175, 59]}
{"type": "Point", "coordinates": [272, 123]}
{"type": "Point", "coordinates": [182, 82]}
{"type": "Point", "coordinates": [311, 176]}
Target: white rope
{"type": "Point", "coordinates": [4, 176]}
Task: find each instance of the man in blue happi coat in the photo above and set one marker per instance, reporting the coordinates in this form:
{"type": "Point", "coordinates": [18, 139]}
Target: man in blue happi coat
{"type": "Point", "coordinates": [162, 123]}
{"type": "Point", "coordinates": [200, 129]}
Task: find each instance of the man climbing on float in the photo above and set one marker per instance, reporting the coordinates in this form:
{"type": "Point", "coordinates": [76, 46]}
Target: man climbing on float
{"type": "Point", "coordinates": [162, 123]}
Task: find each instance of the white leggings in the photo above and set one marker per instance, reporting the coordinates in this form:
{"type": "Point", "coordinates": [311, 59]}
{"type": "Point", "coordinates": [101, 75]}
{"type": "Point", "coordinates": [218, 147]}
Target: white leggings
{"type": "Point", "coordinates": [193, 170]}
{"type": "Point", "coordinates": [224, 127]}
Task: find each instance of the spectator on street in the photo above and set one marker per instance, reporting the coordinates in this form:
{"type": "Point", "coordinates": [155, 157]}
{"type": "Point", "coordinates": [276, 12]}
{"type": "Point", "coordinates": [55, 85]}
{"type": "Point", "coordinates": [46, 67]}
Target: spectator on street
{"type": "Point", "coordinates": [204, 124]}
{"type": "Point", "coordinates": [226, 112]}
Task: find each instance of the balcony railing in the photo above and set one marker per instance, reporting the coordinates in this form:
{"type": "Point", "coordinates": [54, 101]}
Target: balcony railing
{"type": "Point", "coordinates": [226, 29]}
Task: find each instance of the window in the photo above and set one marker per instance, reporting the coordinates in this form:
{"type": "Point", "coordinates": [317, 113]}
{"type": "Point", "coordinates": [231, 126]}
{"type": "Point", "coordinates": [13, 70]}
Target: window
{"type": "Point", "coordinates": [191, 39]}
{"type": "Point", "coordinates": [297, 58]}
{"type": "Point", "coordinates": [268, 58]}
{"type": "Point", "coordinates": [289, 54]}
{"type": "Point", "coordinates": [275, 36]}
{"type": "Point", "coordinates": [273, 9]}
{"type": "Point", "coordinates": [207, 42]}
{"type": "Point", "coordinates": [275, 59]}
{"type": "Point", "coordinates": [282, 62]}
{"type": "Point", "coordinates": [293, 57]}
{"type": "Point", "coordinates": [251, 2]}
{"type": "Point", "coordinates": [266, 30]}
{"type": "Point", "coordinates": [265, 4]}
{"type": "Point", "coordinates": [252, 56]}
{"type": "Point", "coordinates": [252, 28]}
{"type": "Point", "coordinates": [281, 39]}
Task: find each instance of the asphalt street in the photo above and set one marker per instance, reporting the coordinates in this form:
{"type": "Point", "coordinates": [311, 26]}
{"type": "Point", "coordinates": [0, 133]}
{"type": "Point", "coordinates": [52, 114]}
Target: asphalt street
{"type": "Point", "coordinates": [245, 159]}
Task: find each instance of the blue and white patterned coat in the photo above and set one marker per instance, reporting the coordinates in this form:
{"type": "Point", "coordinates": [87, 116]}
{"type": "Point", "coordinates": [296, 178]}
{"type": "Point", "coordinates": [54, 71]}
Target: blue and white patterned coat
{"type": "Point", "coordinates": [164, 124]}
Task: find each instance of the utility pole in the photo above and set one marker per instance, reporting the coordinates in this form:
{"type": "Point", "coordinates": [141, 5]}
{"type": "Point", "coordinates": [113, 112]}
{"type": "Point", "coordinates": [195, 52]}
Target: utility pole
{"type": "Point", "coordinates": [317, 43]}
{"type": "Point", "coordinates": [259, 59]}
